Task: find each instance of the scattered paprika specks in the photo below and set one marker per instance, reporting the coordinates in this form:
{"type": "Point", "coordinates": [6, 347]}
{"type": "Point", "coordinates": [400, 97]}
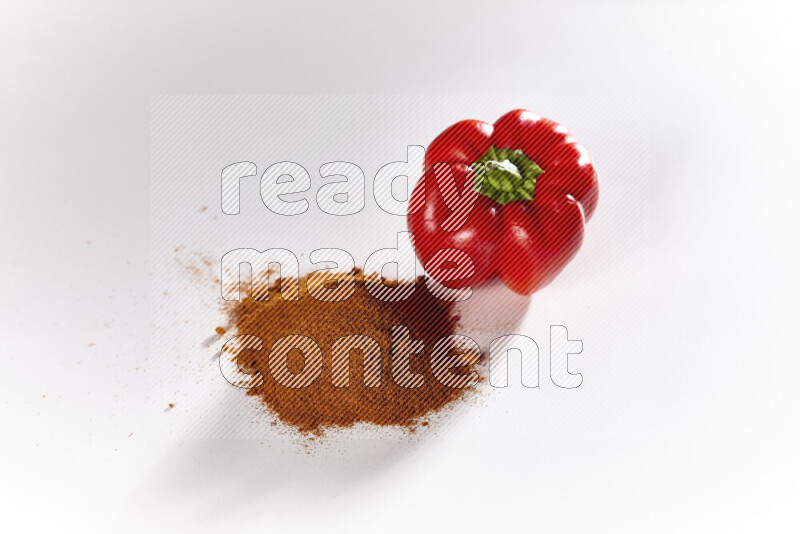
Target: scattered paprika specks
{"type": "Point", "coordinates": [219, 330]}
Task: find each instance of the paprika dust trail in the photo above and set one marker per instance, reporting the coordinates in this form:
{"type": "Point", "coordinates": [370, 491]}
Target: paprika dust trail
{"type": "Point", "coordinates": [323, 404]}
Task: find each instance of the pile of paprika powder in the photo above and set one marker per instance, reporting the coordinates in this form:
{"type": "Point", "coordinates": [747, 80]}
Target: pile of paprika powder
{"type": "Point", "coordinates": [323, 405]}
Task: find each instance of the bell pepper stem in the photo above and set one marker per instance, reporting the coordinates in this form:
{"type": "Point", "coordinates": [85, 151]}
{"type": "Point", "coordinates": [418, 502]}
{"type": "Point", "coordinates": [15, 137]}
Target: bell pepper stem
{"type": "Point", "coordinates": [506, 175]}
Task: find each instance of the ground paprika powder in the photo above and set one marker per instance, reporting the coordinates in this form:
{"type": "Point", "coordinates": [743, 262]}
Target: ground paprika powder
{"type": "Point", "coordinates": [323, 405]}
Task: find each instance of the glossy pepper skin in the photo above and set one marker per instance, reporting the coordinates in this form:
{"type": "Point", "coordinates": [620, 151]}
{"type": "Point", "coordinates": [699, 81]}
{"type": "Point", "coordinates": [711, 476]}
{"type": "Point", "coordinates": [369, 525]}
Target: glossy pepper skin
{"type": "Point", "coordinates": [514, 196]}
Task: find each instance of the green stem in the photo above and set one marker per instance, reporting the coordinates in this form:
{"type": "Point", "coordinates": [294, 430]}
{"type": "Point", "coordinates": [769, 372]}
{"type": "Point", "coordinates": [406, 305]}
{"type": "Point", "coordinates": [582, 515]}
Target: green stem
{"type": "Point", "coordinates": [506, 175]}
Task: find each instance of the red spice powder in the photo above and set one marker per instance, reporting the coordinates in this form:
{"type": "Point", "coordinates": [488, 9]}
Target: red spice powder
{"type": "Point", "coordinates": [323, 405]}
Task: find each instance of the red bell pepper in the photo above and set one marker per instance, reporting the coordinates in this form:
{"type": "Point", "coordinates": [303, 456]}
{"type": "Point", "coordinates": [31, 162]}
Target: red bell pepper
{"type": "Point", "coordinates": [513, 196]}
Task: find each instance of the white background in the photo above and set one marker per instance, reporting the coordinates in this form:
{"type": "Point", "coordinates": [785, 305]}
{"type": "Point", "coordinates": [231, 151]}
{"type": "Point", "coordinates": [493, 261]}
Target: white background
{"type": "Point", "coordinates": [687, 418]}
